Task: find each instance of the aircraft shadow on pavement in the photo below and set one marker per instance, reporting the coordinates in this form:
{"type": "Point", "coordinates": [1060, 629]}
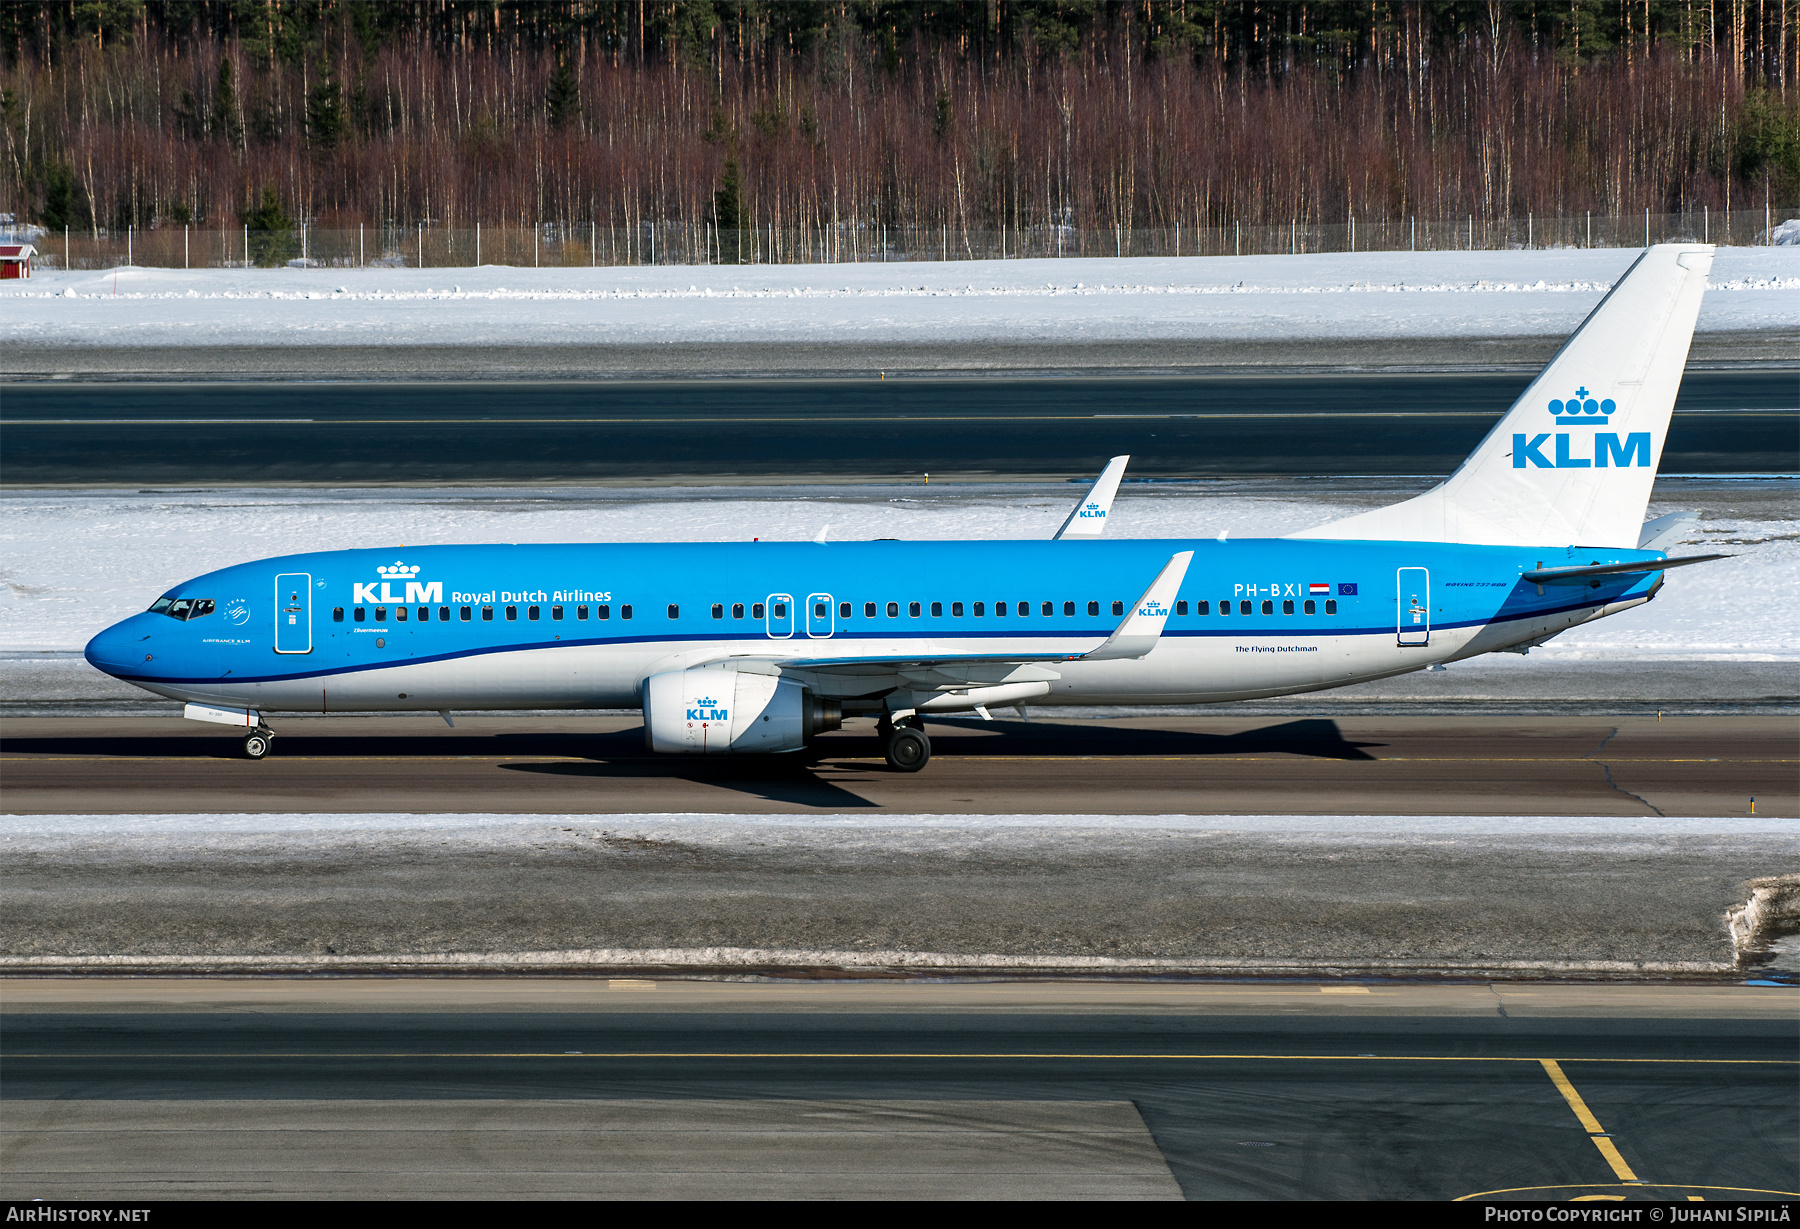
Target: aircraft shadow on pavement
{"type": "Point", "coordinates": [793, 780]}
{"type": "Point", "coordinates": [1314, 737]}
{"type": "Point", "coordinates": [622, 751]}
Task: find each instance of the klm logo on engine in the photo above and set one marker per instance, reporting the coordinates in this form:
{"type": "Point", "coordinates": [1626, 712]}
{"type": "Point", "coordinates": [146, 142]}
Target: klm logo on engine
{"type": "Point", "coordinates": [1602, 450]}
{"type": "Point", "coordinates": [706, 712]}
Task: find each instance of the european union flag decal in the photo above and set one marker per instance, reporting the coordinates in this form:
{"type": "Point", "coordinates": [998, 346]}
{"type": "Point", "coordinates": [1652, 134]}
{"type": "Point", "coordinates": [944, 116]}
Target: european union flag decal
{"type": "Point", "coordinates": [1346, 589]}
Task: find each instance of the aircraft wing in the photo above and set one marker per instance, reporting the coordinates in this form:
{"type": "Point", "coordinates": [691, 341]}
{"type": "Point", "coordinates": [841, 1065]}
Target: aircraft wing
{"type": "Point", "coordinates": [1087, 519]}
{"type": "Point", "coordinates": [1136, 634]}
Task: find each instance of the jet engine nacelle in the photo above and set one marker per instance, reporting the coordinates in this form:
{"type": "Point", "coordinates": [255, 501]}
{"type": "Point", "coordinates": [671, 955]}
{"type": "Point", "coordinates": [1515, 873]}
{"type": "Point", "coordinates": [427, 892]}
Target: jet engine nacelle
{"type": "Point", "coordinates": [713, 711]}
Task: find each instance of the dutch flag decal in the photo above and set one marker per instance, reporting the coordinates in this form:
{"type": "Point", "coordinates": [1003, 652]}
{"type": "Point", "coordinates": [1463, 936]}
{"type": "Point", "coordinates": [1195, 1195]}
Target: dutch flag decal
{"type": "Point", "coordinates": [1318, 589]}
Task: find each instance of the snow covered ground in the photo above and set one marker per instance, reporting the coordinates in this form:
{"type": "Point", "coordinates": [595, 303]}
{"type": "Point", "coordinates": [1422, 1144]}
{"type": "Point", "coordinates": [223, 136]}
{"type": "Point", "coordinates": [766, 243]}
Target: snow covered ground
{"type": "Point", "coordinates": [74, 562]}
{"type": "Point", "coordinates": [1342, 296]}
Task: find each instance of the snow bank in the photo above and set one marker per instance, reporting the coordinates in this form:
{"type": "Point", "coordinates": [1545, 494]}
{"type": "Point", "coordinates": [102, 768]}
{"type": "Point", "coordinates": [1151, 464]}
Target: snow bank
{"type": "Point", "coordinates": [1372, 295]}
{"type": "Point", "coordinates": [75, 562]}
{"type": "Point", "coordinates": [26, 831]}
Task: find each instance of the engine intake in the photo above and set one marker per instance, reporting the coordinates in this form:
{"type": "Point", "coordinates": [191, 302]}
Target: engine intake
{"type": "Point", "coordinates": [714, 711]}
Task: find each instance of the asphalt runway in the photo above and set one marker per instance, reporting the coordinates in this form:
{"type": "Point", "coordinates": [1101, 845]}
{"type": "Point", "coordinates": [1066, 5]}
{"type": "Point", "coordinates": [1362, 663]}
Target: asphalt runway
{"type": "Point", "coordinates": [1633, 765]}
{"type": "Point", "coordinates": [78, 433]}
{"type": "Point", "coordinates": [496, 1089]}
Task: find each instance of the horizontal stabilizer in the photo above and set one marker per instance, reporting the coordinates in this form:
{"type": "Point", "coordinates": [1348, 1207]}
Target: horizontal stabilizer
{"type": "Point", "coordinates": [1551, 576]}
{"type": "Point", "coordinates": [1666, 531]}
{"type": "Point", "coordinates": [1088, 518]}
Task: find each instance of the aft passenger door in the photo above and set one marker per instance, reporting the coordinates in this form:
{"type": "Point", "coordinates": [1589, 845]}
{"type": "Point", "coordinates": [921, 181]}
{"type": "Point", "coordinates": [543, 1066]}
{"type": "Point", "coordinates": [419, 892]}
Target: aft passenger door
{"type": "Point", "coordinates": [293, 612]}
{"type": "Point", "coordinates": [1412, 601]}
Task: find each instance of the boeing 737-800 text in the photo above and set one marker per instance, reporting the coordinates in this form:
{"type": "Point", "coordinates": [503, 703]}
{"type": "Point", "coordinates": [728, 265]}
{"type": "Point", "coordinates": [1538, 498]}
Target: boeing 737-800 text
{"type": "Point", "coordinates": [756, 647]}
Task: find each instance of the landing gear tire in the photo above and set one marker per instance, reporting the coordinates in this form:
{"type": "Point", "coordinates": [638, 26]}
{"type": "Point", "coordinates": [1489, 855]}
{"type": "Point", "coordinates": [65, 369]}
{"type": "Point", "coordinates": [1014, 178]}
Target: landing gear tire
{"type": "Point", "coordinates": [908, 750]}
{"type": "Point", "coordinates": [258, 743]}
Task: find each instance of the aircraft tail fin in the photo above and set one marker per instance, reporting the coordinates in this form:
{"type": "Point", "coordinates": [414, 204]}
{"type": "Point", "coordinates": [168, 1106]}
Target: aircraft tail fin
{"type": "Point", "coordinates": [1573, 460]}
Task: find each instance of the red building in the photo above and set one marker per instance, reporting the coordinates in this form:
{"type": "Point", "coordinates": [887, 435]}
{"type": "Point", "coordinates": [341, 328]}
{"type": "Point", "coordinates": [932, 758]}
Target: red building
{"type": "Point", "coordinates": [15, 260]}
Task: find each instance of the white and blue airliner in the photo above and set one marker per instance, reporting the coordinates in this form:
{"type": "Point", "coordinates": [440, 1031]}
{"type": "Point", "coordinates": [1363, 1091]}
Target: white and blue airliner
{"type": "Point", "coordinates": [735, 647]}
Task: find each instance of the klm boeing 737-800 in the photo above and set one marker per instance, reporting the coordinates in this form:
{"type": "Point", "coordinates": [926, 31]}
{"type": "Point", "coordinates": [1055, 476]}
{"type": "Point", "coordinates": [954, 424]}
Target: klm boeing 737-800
{"type": "Point", "coordinates": [733, 648]}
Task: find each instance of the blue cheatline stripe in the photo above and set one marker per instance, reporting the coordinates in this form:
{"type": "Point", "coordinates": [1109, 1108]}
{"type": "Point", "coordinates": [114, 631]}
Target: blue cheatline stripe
{"type": "Point", "coordinates": [1236, 630]}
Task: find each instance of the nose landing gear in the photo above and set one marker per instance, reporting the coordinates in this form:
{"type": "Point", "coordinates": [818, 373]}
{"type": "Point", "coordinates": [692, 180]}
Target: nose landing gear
{"type": "Point", "coordinates": [259, 742]}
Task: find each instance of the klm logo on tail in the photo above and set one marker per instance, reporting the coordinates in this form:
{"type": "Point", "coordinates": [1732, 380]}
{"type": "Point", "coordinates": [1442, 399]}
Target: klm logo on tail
{"type": "Point", "coordinates": [1605, 449]}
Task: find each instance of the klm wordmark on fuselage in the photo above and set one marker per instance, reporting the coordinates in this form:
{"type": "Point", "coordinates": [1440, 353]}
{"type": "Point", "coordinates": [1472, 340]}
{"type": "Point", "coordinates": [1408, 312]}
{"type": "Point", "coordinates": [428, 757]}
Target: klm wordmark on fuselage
{"type": "Point", "coordinates": [739, 647]}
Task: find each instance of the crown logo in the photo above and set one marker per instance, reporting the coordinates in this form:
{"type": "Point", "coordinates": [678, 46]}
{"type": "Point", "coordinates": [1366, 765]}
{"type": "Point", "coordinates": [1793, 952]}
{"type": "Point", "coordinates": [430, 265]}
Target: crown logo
{"type": "Point", "coordinates": [709, 702]}
{"type": "Point", "coordinates": [400, 571]}
{"type": "Point", "coordinates": [1582, 410]}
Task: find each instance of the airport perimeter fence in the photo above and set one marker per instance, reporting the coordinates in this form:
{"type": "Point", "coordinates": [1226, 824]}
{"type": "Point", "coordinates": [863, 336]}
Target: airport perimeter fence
{"type": "Point", "coordinates": [570, 245]}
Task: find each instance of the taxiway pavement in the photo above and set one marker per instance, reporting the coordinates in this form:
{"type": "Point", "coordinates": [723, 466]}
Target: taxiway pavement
{"type": "Point", "coordinates": [583, 763]}
{"type": "Point", "coordinates": [137, 1089]}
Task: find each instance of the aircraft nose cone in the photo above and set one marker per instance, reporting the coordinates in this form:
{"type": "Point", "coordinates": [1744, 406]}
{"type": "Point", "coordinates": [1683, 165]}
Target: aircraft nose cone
{"type": "Point", "coordinates": [117, 649]}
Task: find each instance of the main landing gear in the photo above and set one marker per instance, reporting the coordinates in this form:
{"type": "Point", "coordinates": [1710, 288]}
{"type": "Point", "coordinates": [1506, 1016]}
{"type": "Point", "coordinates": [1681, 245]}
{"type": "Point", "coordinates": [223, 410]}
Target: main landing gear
{"type": "Point", "coordinates": [259, 742]}
{"type": "Point", "coordinates": [905, 745]}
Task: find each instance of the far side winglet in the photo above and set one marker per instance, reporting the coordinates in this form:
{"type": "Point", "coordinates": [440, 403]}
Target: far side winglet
{"type": "Point", "coordinates": [1143, 626]}
{"type": "Point", "coordinates": [1088, 518]}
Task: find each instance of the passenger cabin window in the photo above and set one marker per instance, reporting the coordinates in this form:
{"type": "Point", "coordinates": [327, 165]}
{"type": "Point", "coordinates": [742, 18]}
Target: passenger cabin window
{"type": "Point", "coordinates": [737, 610]}
{"type": "Point", "coordinates": [821, 610]}
{"type": "Point", "coordinates": [1311, 606]}
{"type": "Point", "coordinates": [718, 610]}
{"type": "Point", "coordinates": [912, 610]}
{"type": "Point", "coordinates": [400, 614]}
{"type": "Point", "coordinates": [1024, 609]}
{"type": "Point", "coordinates": [512, 613]}
{"type": "Point", "coordinates": [381, 614]}
{"type": "Point", "coordinates": [868, 610]}
{"type": "Point", "coordinates": [624, 612]}
{"type": "Point", "coordinates": [1049, 608]}
{"type": "Point", "coordinates": [487, 614]}
{"type": "Point", "coordinates": [1068, 610]}
{"type": "Point", "coordinates": [893, 610]}
{"type": "Point", "coordinates": [337, 614]}
{"type": "Point", "coordinates": [531, 613]}
{"type": "Point", "coordinates": [843, 610]}
{"type": "Point", "coordinates": [465, 613]}
{"type": "Point", "coordinates": [1331, 605]}
{"type": "Point", "coordinates": [937, 610]}
{"type": "Point", "coordinates": [581, 614]}
{"type": "Point", "coordinates": [1118, 608]}
{"type": "Point", "coordinates": [756, 610]}
{"type": "Point", "coordinates": [674, 611]}
{"type": "Point", "coordinates": [781, 610]}
{"type": "Point", "coordinates": [603, 613]}
{"type": "Point", "coordinates": [1243, 607]}
{"type": "Point", "coordinates": [556, 614]}
{"type": "Point", "coordinates": [999, 610]}
{"type": "Point", "coordinates": [1180, 608]}
{"type": "Point", "coordinates": [1202, 607]}
{"type": "Point", "coordinates": [979, 610]}
{"type": "Point", "coordinates": [1268, 607]}
{"type": "Point", "coordinates": [956, 610]}
{"type": "Point", "coordinates": [1287, 607]}
{"type": "Point", "coordinates": [1093, 608]}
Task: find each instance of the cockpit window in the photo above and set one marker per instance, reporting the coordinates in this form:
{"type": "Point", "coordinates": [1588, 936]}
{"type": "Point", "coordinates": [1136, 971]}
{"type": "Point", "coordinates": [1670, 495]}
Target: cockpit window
{"type": "Point", "coordinates": [183, 607]}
